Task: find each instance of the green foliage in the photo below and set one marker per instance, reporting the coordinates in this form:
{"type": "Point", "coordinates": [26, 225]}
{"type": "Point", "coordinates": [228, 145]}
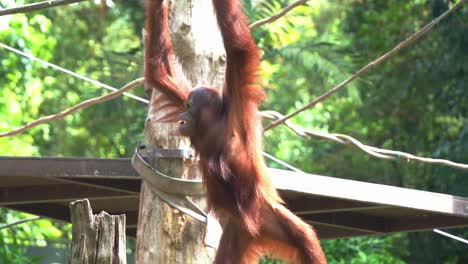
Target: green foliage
{"type": "Point", "coordinates": [14, 239]}
{"type": "Point", "coordinates": [91, 41]}
{"type": "Point", "coordinates": [37, 232]}
{"type": "Point", "coordinates": [415, 102]}
{"type": "Point", "coordinates": [14, 253]}
{"type": "Point", "coordinates": [386, 249]}
{"type": "Point", "coordinates": [270, 260]}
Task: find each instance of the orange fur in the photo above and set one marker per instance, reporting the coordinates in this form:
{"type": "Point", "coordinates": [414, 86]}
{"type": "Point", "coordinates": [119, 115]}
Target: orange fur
{"type": "Point", "coordinates": [274, 249]}
{"type": "Point", "coordinates": [228, 140]}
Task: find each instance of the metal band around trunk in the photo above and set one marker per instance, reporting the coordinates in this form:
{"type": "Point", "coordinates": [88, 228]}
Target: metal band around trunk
{"type": "Point", "coordinates": [160, 180]}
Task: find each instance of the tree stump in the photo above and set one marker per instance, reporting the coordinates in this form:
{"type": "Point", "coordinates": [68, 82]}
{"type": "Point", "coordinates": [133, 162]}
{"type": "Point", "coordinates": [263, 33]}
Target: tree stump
{"type": "Point", "coordinates": [96, 239]}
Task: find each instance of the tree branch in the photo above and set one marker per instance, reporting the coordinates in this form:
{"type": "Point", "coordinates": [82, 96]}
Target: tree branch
{"type": "Point", "coordinates": [372, 151]}
{"type": "Point", "coordinates": [275, 17]}
{"type": "Point", "coordinates": [37, 6]}
{"type": "Point", "coordinates": [369, 66]}
{"type": "Point", "coordinates": [75, 108]}
{"type": "Point", "coordinates": [22, 221]}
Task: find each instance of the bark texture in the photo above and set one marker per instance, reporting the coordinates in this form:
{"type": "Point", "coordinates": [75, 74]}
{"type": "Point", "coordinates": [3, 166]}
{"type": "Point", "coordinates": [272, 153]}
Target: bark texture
{"type": "Point", "coordinates": [96, 239]}
{"type": "Point", "coordinates": [165, 235]}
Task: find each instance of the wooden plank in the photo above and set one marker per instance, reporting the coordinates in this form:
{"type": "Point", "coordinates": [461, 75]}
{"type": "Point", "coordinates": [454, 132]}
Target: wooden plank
{"type": "Point", "coordinates": [369, 192]}
{"type": "Point", "coordinates": [288, 181]}
{"type": "Point", "coordinates": [425, 222]}
{"type": "Point", "coordinates": [62, 212]}
{"type": "Point", "coordinates": [352, 221]}
{"type": "Point", "coordinates": [51, 210]}
{"type": "Point", "coordinates": [119, 185]}
{"type": "Point", "coordinates": [317, 205]}
{"type": "Point", "coordinates": [338, 207]}
{"type": "Point", "coordinates": [131, 232]}
{"type": "Point", "coordinates": [353, 224]}
{"type": "Point", "coordinates": [66, 167]}
{"type": "Point", "coordinates": [334, 232]}
{"type": "Point", "coordinates": [54, 193]}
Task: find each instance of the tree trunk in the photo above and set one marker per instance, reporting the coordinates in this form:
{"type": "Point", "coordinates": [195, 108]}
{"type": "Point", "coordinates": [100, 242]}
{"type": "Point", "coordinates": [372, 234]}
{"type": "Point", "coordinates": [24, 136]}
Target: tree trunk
{"type": "Point", "coordinates": [96, 239]}
{"type": "Point", "coordinates": [164, 234]}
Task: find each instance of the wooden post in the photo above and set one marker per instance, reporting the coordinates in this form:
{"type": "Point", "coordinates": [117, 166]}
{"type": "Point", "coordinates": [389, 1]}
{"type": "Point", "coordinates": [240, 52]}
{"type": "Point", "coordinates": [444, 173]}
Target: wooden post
{"type": "Point", "coordinates": [96, 239]}
{"type": "Point", "coordinates": [164, 234]}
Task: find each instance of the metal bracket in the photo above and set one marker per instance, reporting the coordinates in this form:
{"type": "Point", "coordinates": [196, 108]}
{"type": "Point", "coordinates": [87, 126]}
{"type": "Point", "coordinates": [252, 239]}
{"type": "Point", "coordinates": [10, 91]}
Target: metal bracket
{"type": "Point", "coordinates": [172, 190]}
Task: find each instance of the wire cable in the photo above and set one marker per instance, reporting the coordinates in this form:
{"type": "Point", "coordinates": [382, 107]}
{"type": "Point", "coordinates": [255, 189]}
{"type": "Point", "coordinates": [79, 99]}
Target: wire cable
{"type": "Point", "coordinates": [275, 159]}
{"type": "Point", "coordinates": [440, 232]}
{"type": "Point", "coordinates": [74, 74]}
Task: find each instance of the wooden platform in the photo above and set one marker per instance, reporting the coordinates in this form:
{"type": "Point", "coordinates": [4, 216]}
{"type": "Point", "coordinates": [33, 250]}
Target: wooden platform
{"type": "Point", "coordinates": [336, 207]}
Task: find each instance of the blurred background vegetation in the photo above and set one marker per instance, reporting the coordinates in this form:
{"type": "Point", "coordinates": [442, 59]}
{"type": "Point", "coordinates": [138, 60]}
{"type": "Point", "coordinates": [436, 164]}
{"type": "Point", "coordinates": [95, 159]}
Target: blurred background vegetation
{"type": "Point", "coordinates": [416, 102]}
